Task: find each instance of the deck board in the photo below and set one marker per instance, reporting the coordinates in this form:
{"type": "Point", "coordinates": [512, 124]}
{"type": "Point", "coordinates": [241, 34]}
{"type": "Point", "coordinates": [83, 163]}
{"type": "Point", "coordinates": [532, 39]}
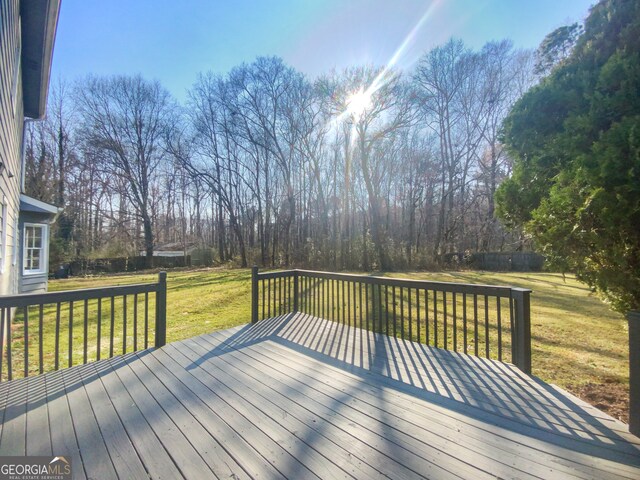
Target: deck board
{"type": "Point", "coordinates": [93, 450]}
{"type": "Point", "coordinates": [409, 430]}
{"type": "Point", "coordinates": [301, 397]}
{"type": "Point", "coordinates": [156, 459]}
{"type": "Point", "coordinates": [123, 454]}
{"type": "Point", "coordinates": [63, 436]}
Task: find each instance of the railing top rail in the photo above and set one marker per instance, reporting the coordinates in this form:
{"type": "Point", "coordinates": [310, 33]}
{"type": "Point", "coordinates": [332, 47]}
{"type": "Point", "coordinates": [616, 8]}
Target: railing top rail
{"type": "Point", "coordinates": [471, 288]}
{"type": "Point", "coordinates": [276, 274]}
{"type": "Point", "coordinates": [45, 298]}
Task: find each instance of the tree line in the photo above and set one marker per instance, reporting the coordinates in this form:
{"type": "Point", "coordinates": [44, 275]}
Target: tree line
{"type": "Point", "coordinates": [366, 168]}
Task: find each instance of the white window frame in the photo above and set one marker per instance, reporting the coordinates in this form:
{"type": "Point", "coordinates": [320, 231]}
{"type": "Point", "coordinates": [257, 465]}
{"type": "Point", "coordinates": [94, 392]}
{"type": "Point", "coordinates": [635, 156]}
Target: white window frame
{"type": "Point", "coordinates": [3, 235]}
{"type": "Point", "coordinates": [44, 259]}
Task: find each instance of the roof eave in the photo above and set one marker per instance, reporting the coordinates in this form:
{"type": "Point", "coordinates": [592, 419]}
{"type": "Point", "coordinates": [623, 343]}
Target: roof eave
{"type": "Point", "coordinates": [39, 22]}
{"type": "Point", "coordinates": [30, 204]}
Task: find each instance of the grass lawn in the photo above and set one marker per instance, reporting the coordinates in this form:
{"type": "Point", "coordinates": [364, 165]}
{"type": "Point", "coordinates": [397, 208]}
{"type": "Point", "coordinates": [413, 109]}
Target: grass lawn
{"type": "Point", "coordinates": [578, 342]}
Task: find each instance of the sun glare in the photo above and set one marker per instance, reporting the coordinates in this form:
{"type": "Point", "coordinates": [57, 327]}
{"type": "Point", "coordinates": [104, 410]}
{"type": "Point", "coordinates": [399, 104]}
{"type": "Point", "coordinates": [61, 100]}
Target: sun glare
{"type": "Point", "coordinates": [358, 103]}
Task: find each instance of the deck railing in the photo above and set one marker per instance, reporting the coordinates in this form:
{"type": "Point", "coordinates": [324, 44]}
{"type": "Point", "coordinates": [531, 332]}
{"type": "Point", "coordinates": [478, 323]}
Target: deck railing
{"type": "Point", "coordinates": [37, 330]}
{"type": "Point", "coordinates": [483, 320]}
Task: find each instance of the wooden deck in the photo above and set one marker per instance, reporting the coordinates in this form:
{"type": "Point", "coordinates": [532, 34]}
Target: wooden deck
{"type": "Point", "coordinates": [301, 397]}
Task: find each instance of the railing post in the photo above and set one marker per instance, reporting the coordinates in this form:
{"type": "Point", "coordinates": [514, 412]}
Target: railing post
{"type": "Point", "coordinates": [521, 337]}
{"type": "Point", "coordinates": [254, 294]}
{"type": "Point", "coordinates": [634, 372]}
{"type": "Point", "coordinates": [295, 291]}
{"type": "Point", "coordinates": [161, 310]}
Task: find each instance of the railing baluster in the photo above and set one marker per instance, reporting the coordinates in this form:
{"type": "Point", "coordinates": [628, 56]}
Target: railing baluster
{"type": "Point", "coordinates": [410, 319]}
{"type": "Point", "coordinates": [393, 298]}
{"type": "Point", "coordinates": [71, 333]}
{"type": "Point", "coordinates": [464, 322]}
{"type": "Point", "coordinates": [314, 297]}
{"type": "Point", "coordinates": [426, 316]}
{"type": "Point", "coordinates": [135, 322]}
{"type": "Point", "coordinates": [486, 325]}
{"type": "Point", "coordinates": [146, 320]}
{"type": "Point", "coordinates": [511, 324]}
{"type": "Point", "coordinates": [113, 323]}
{"type": "Point", "coordinates": [380, 308]}
{"type": "Point", "coordinates": [343, 305]}
{"type": "Point", "coordinates": [418, 314]}
{"type": "Point", "coordinates": [279, 296]}
{"type": "Point", "coordinates": [401, 313]}
{"type": "Point", "coordinates": [57, 359]}
{"type": "Point", "coordinates": [25, 324]}
{"type": "Point", "coordinates": [99, 330]}
{"type": "Point", "coordinates": [324, 293]}
{"type": "Point", "coordinates": [355, 304]}
{"type": "Point", "coordinates": [360, 299]}
{"type": "Point", "coordinates": [475, 323]}
{"type": "Point", "coordinates": [124, 324]}
{"type": "Point", "coordinates": [334, 314]}
{"type": "Point", "coordinates": [435, 319]}
{"type": "Point", "coordinates": [455, 322]}
{"type": "Point", "coordinates": [444, 321]}
{"type": "Point", "coordinates": [85, 338]}
{"type": "Point", "coordinates": [498, 307]}
{"type": "Point", "coordinates": [386, 307]}
{"type": "Point", "coordinates": [366, 304]}
{"type": "Point", "coordinates": [349, 303]}
{"type": "Point", "coordinates": [263, 312]}
{"type": "Point", "coordinates": [9, 342]}
{"type": "Point", "coordinates": [269, 298]}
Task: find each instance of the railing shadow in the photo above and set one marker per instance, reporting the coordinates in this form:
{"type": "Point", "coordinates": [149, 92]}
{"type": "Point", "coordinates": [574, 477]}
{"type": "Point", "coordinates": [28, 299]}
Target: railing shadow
{"type": "Point", "coordinates": [482, 390]}
{"type": "Point", "coordinates": [21, 396]}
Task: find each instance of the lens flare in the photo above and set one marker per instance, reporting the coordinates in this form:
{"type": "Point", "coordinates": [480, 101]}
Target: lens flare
{"type": "Point", "coordinates": [358, 103]}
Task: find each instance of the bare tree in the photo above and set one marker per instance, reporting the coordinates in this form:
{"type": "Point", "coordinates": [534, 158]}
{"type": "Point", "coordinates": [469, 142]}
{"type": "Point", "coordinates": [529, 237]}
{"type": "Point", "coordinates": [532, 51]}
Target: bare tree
{"type": "Point", "coordinates": [125, 118]}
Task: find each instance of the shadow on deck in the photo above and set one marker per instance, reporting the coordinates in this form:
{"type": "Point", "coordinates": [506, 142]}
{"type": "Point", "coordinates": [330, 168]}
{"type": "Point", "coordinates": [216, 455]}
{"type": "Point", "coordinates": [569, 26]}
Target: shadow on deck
{"type": "Point", "coordinates": [297, 396]}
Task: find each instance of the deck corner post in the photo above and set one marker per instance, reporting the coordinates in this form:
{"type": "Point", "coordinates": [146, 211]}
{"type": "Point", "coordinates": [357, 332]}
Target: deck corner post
{"type": "Point", "coordinates": [633, 318]}
{"type": "Point", "coordinates": [161, 310]}
{"type": "Point", "coordinates": [295, 291]}
{"type": "Point", "coordinates": [254, 294]}
{"type": "Point", "coordinates": [521, 340]}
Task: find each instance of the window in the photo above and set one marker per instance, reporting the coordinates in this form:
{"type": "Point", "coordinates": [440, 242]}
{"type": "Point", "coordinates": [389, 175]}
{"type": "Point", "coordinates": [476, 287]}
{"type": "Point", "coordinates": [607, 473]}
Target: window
{"type": "Point", "coordinates": [35, 248]}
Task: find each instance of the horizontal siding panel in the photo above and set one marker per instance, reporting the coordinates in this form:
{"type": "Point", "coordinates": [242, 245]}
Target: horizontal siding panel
{"type": "Point", "coordinates": [11, 125]}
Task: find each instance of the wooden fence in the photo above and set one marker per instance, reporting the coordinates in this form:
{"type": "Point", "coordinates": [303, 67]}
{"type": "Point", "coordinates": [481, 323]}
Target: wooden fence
{"type": "Point", "coordinates": [121, 264]}
{"type": "Point", "coordinates": [47, 331]}
{"type": "Point", "coordinates": [483, 320]}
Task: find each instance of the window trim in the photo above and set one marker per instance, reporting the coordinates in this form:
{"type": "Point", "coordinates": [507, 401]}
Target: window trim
{"type": "Point", "coordinates": [44, 249]}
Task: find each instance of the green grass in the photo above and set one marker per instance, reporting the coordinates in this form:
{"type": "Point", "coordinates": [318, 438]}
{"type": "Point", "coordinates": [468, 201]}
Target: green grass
{"type": "Point", "coordinates": [576, 338]}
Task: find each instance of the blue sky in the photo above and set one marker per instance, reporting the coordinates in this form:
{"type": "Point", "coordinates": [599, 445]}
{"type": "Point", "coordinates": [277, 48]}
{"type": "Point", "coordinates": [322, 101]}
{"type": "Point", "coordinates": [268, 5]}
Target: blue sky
{"type": "Point", "coordinates": [173, 40]}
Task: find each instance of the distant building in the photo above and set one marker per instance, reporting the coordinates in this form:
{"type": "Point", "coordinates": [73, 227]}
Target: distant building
{"type": "Point", "coordinates": [27, 35]}
{"type": "Point", "coordinates": [174, 249]}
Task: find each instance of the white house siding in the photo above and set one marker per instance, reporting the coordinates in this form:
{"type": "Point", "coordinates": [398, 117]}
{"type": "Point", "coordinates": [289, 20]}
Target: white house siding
{"type": "Point", "coordinates": [11, 126]}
